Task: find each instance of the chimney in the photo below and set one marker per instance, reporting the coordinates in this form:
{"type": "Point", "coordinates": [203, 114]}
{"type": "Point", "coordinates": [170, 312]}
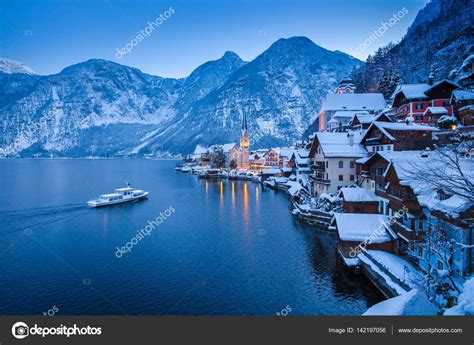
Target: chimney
{"type": "Point", "coordinates": [351, 138]}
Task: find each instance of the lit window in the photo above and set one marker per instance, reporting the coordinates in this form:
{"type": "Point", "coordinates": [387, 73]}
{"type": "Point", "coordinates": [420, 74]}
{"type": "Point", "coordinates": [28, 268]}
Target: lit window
{"type": "Point", "coordinates": [341, 164]}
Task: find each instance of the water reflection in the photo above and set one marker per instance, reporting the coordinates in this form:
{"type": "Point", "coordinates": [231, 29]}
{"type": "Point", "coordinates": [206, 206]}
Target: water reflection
{"type": "Point", "coordinates": [221, 195]}
{"type": "Point", "coordinates": [245, 201]}
{"type": "Point", "coordinates": [233, 196]}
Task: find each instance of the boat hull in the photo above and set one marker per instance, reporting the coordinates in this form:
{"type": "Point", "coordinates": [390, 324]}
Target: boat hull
{"type": "Point", "coordinates": [115, 202]}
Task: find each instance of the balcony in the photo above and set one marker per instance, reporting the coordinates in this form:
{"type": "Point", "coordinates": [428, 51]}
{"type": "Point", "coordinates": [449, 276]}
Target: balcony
{"type": "Point", "coordinates": [318, 166]}
{"type": "Point", "coordinates": [319, 178]}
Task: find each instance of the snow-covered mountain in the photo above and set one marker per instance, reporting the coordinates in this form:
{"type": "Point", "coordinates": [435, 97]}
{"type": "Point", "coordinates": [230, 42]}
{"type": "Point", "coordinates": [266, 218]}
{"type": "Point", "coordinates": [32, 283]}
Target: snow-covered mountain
{"type": "Point", "coordinates": [280, 91]}
{"type": "Point", "coordinates": [102, 108]}
{"type": "Point", "coordinates": [11, 66]}
{"type": "Point", "coordinates": [439, 39]}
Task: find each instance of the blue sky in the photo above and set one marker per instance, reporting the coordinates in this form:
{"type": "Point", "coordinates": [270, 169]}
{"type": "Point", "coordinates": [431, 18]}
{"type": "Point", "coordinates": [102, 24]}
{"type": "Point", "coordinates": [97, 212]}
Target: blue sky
{"type": "Point", "coordinates": [50, 35]}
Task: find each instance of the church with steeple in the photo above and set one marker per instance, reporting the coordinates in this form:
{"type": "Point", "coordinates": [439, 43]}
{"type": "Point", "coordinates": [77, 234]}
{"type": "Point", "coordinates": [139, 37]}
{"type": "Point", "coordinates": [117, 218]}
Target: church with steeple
{"type": "Point", "coordinates": [244, 149]}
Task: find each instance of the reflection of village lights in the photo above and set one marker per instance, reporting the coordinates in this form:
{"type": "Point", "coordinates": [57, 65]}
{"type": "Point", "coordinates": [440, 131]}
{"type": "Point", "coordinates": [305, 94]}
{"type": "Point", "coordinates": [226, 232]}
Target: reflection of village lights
{"type": "Point", "coordinates": [246, 201]}
{"type": "Point", "coordinates": [221, 192]}
{"type": "Point", "coordinates": [256, 193]}
{"type": "Point", "coordinates": [453, 127]}
{"type": "Point", "coordinates": [233, 195]}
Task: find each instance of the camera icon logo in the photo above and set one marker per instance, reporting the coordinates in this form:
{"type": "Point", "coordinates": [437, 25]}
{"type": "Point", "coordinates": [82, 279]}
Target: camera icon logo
{"type": "Point", "coordinates": [20, 330]}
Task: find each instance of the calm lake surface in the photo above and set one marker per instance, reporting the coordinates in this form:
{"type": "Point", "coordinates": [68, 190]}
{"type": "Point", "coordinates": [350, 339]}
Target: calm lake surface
{"type": "Point", "coordinates": [230, 248]}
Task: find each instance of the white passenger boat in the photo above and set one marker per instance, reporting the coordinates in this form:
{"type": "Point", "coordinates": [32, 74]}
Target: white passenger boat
{"type": "Point", "coordinates": [121, 195]}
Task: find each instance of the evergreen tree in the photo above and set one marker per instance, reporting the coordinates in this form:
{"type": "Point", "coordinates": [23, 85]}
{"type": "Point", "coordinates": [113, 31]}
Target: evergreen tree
{"type": "Point", "coordinates": [219, 158]}
{"type": "Point", "coordinates": [388, 83]}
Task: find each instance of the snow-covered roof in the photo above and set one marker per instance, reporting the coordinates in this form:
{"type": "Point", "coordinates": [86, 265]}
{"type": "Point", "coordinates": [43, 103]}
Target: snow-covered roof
{"type": "Point", "coordinates": [402, 126]}
{"type": "Point", "coordinates": [411, 91]}
{"type": "Point", "coordinates": [363, 160]}
{"type": "Point", "coordinates": [467, 107]}
{"type": "Point", "coordinates": [227, 147]}
{"type": "Point", "coordinates": [410, 166]}
{"type": "Point", "coordinates": [463, 95]}
{"type": "Point", "coordinates": [358, 195]}
{"type": "Point", "coordinates": [366, 118]}
{"type": "Point", "coordinates": [441, 82]}
{"type": "Point", "coordinates": [446, 118]}
{"type": "Point", "coordinates": [271, 171]}
{"type": "Point", "coordinates": [397, 126]}
{"type": "Point", "coordinates": [355, 101]}
{"type": "Point", "coordinates": [360, 227]}
{"type": "Point", "coordinates": [295, 187]}
{"type": "Point", "coordinates": [255, 156]}
{"type": "Point", "coordinates": [287, 151]}
{"type": "Point", "coordinates": [411, 303]}
{"type": "Point", "coordinates": [350, 113]}
{"type": "Point", "coordinates": [436, 111]}
{"type": "Point", "coordinates": [337, 144]}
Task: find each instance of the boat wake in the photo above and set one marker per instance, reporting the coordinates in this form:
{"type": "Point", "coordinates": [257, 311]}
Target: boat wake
{"type": "Point", "coordinates": [20, 220]}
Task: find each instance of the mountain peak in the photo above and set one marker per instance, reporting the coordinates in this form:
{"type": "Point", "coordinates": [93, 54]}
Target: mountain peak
{"type": "Point", "coordinates": [231, 55]}
{"type": "Point", "coordinates": [8, 66]}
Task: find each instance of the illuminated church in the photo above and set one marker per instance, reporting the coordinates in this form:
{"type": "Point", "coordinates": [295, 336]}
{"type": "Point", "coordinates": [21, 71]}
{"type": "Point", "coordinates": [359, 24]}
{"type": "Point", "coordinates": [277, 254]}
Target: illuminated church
{"type": "Point", "coordinates": [244, 149]}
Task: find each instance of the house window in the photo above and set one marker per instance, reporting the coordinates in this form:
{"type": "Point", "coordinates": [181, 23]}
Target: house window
{"type": "Point", "coordinates": [446, 104]}
{"type": "Point", "coordinates": [419, 106]}
{"type": "Point", "coordinates": [418, 117]}
{"type": "Point", "coordinates": [351, 164]}
{"type": "Point", "coordinates": [341, 164]}
{"type": "Point", "coordinates": [327, 164]}
{"type": "Point", "coordinates": [388, 148]}
{"type": "Point", "coordinates": [379, 171]}
{"type": "Point", "coordinates": [381, 148]}
{"type": "Point", "coordinates": [351, 177]}
{"type": "Point", "coordinates": [341, 178]}
{"type": "Point", "coordinates": [373, 148]}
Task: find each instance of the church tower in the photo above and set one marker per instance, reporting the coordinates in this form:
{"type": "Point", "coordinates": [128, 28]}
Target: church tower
{"type": "Point", "coordinates": [244, 153]}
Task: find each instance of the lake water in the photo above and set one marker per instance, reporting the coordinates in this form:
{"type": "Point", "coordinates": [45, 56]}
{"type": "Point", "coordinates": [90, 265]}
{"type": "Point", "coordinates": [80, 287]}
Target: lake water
{"type": "Point", "coordinates": [229, 248]}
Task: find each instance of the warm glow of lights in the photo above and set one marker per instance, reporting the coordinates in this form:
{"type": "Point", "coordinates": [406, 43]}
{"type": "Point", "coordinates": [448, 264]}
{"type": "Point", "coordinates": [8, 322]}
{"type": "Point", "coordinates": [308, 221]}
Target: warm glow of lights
{"type": "Point", "coordinates": [246, 201]}
{"type": "Point", "coordinates": [221, 194]}
{"type": "Point", "coordinates": [453, 127]}
{"type": "Point", "coordinates": [232, 196]}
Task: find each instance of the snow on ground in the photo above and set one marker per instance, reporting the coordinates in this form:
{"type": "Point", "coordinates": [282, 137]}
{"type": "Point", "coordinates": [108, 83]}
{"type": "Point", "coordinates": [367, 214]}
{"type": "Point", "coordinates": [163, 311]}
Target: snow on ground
{"type": "Point", "coordinates": [365, 259]}
{"type": "Point", "coordinates": [411, 303]}
{"type": "Point", "coordinates": [465, 304]}
{"type": "Point", "coordinates": [399, 267]}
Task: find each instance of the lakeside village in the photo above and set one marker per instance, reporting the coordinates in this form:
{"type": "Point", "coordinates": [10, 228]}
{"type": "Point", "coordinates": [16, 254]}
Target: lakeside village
{"type": "Point", "coordinates": [394, 179]}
